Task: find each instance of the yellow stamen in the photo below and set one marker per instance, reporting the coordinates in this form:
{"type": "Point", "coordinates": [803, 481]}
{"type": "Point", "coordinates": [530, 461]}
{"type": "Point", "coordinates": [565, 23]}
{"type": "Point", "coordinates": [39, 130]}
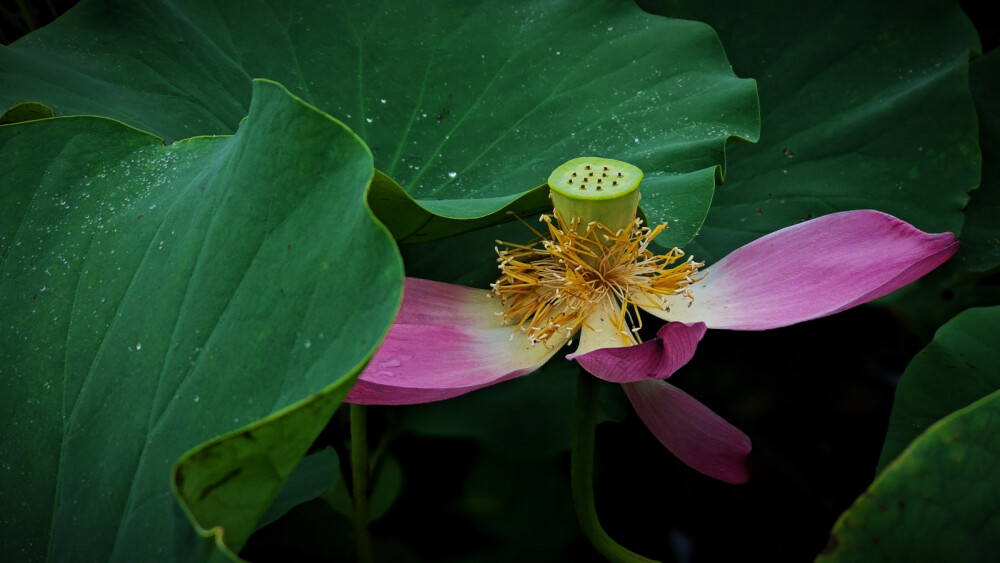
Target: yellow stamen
{"type": "Point", "coordinates": [556, 285]}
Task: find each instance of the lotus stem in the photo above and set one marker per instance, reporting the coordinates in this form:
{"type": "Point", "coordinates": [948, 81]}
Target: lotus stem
{"type": "Point", "coordinates": [359, 474]}
{"type": "Point", "coordinates": [588, 394]}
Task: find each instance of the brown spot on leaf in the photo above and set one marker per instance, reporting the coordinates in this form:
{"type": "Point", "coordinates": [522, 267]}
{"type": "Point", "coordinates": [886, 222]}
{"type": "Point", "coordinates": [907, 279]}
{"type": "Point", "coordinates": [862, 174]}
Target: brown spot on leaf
{"type": "Point", "coordinates": [225, 479]}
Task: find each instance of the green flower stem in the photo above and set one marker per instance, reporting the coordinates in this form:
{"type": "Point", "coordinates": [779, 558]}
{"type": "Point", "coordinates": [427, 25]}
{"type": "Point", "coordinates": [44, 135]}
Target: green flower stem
{"type": "Point", "coordinates": [588, 393]}
{"type": "Point", "coordinates": [359, 471]}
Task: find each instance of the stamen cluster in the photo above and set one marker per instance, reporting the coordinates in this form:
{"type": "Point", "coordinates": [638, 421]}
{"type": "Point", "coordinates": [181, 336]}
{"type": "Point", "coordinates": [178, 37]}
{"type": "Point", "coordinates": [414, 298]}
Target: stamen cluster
{"type": "Point", "coordinates": [555, 284]}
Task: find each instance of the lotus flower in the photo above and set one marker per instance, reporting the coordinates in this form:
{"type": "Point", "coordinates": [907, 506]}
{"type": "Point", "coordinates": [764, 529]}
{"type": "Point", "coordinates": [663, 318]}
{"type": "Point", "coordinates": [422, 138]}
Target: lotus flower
{"type": "Point", "coordinates": [585, 278]}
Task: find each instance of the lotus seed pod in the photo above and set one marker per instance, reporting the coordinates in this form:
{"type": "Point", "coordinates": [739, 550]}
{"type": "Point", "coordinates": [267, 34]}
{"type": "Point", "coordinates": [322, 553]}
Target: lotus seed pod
{"type": "Point", "coordinates": [596, 189]}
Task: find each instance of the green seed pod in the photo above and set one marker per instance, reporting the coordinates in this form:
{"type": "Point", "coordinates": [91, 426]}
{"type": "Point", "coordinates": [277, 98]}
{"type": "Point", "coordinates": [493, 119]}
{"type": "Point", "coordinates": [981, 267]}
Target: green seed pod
{"type": "Point", "coordinates": [596, 189]}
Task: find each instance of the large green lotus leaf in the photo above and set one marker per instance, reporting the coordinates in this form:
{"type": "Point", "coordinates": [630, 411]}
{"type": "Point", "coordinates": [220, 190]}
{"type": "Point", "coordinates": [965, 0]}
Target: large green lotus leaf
{"type": "Point", "coordinates": [227, 485]}
{"type": "Point", "coordinates": [960, 366]}
{"type": "Point", "coordinates": [863, 105]}
{"type": "Point", "coordinates": [157, 297]}
{"type": "Point", "coordinates": [981, 234]}
{"type": "Point", "coordinates": [410, 222]}
{"type": "Point", "coordinates": [936, 502]}
{"type": "Point", "coordinates": [466, 105]}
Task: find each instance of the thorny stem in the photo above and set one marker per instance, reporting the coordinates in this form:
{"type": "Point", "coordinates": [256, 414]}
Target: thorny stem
{"type": "Point", "coordinates": [588, 393]}
{"type": "Point", "coordinates": [359, 473]}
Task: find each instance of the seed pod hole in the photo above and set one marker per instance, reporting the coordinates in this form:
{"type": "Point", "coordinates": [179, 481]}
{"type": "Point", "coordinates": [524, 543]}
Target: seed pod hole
{"type": "Point", "coordinates": [575, 175]}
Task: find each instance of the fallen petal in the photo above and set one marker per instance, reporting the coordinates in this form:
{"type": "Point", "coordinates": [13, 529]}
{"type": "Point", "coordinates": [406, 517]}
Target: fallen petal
{"type": "Point", "coordinates": [659, 358]}
{"type": "Point", "coordinates": [446, 340]}
{"type": "Point", "coordinates": [811, 270]}
{"type": "Point", "coordinates": [691, 431]}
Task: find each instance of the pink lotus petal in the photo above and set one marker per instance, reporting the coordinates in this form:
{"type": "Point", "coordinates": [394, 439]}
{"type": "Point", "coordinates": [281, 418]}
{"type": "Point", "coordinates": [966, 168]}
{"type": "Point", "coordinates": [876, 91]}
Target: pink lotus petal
{"type": "Point", "coordinates": [428, 302]}
{"type": "Point", "coordinates": [691, 431]}
{"type": "Point", "coordinates": [811, 270]}
{"type": "Point", "coordinates": [447, 340]}
{"type": "Point", "coordinates": [659, 358]}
